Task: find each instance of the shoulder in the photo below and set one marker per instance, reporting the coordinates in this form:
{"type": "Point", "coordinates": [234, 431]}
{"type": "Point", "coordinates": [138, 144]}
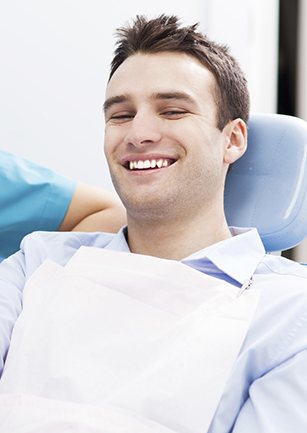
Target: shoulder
{"type": "Point", "coordinates": [32, 197]}
{"type": "Point", "coordinates": [280, 322]}
{"type": "Point", "coordinates": [283, 285]}
{"type": "Point", "coordinates": [281, 270]}
{"type": "Point", "coordinates": [58, 246]}
{"type": "Point", "coordinates": [19, 175]}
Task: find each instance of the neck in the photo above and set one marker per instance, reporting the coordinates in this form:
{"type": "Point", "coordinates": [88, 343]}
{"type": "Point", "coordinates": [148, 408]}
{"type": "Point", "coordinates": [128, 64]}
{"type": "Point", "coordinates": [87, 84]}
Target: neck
{"type": "Point", "coordinates": [177, 239]}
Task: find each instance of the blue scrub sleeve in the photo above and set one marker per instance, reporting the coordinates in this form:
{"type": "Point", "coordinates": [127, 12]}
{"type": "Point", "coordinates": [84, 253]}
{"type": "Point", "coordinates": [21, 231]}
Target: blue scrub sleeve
{"type": "Point", "coordinates": [31, 198]}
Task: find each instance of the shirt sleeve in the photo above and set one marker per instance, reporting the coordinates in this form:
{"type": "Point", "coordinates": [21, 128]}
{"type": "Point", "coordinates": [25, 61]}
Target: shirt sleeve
{"type": "Point", "coordinates": [277, 401]}
{"type": "Point", "coordinates": [12, 281]}
{"type": "Point", "coordinates": [267, 389]}
{"type": "Point", "coordinates": [31, 198]}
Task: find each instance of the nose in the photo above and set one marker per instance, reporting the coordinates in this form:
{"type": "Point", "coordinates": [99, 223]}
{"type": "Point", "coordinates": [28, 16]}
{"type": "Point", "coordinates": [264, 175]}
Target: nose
{"type": "Point", "coordinates": [143, 129]}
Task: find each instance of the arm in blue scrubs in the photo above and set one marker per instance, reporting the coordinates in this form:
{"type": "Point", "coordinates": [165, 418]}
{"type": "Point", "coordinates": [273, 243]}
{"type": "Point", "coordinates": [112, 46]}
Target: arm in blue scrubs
{"type": "Point", "coordinates": [31, 198]}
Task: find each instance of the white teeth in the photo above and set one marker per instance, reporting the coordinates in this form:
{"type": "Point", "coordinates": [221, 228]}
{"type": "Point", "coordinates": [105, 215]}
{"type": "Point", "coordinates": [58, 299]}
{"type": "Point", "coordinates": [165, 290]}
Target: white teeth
{"type": "Point", "coordinates": [153, 163]}
{"type": "Point", "coordinates": [147, 163]}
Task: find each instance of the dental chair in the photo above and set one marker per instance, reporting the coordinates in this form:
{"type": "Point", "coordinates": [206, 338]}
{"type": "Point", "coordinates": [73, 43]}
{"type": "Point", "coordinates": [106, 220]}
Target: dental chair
{"type": "Point", "coordinates": [267, 187]}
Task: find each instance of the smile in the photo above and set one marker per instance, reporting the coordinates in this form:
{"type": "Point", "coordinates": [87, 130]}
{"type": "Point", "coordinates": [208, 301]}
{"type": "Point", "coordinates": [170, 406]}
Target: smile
{"type": "Point", "coordinates": [149, 164]}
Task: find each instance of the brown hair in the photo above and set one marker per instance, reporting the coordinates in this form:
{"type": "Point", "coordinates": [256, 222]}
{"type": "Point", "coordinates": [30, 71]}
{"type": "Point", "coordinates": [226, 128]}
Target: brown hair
{"type": "Point", "coordinates": [165, 33]}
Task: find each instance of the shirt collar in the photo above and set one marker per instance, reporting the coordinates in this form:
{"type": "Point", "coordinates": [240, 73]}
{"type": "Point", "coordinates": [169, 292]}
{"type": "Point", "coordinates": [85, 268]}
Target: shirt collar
{"type": "Point", "coordinates": [119, 242]}
{"type": "Point", "coordinates": [237, 256]}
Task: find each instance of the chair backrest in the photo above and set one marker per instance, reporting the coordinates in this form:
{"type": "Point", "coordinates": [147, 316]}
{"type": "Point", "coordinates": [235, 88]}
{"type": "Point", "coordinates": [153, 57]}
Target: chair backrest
{"type": "Point", "coordinates": [267, 187]}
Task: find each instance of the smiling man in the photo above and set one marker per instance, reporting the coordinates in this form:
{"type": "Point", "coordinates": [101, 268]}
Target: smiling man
{"type": "Point", "coordinates": [177, 323]}
{"type": "Point", "coordinates": [158, 136]}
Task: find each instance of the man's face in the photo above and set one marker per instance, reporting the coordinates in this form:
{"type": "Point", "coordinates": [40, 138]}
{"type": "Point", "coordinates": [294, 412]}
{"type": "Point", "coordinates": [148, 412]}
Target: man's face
{"type": "Point", "coordinates": [165, 153]}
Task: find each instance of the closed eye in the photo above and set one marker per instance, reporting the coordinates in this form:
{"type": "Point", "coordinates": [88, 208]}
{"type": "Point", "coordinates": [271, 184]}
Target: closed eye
{"type": "Point", "coordinates": [174, 113]}
{"type": "Point", "coordinates": [120, 117]}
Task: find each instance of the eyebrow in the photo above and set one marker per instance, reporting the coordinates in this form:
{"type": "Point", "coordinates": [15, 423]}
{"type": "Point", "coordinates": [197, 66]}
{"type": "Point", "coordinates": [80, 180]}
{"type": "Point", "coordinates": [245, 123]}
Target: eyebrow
{"type": "Point", "coordinates": [114, 100]}
{"type": "Point", "coordinates": [155, 96]}
{"type": "Point", "coordinates": [173, 95]}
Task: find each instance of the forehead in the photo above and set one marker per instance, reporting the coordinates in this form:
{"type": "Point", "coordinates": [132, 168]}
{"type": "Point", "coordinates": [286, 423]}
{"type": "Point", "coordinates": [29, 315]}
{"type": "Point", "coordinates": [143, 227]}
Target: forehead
{"type": "Point", "coordinates": [141, 75]}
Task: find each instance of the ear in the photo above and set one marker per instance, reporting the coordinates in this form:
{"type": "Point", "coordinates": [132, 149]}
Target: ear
{"type": "Point", "coordinates": [236, 140]}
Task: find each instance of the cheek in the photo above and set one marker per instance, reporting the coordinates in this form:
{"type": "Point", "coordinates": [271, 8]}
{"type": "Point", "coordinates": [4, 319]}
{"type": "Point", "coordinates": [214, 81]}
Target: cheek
{"type": "Point", "coordinates": [110, 140]}
{"type": "Point", "coordinates": [106, 148]}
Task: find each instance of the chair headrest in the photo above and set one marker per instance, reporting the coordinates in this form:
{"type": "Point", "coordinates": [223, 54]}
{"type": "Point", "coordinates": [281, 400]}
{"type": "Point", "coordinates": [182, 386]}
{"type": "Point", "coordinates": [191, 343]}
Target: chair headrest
{"type": "Point", "coordinates": [267, 187]}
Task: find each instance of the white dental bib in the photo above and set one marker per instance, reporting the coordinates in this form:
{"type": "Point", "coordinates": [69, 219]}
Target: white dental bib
{"type": "Point", "coordinates": [117, 342]}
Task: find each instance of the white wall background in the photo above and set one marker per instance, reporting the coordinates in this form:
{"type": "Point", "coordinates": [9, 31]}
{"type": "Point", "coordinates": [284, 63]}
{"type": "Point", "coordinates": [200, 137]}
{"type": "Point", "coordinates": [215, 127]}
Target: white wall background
{"type": "Point", "coordinates": [54, 62]}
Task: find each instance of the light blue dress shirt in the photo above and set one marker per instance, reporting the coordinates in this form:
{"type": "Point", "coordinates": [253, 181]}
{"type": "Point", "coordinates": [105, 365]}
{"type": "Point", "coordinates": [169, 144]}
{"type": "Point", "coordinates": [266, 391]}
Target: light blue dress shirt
{"type": "Point", "coordinates": [267, 390]}
{"type": "Point", "coordinates": [31, 198]}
